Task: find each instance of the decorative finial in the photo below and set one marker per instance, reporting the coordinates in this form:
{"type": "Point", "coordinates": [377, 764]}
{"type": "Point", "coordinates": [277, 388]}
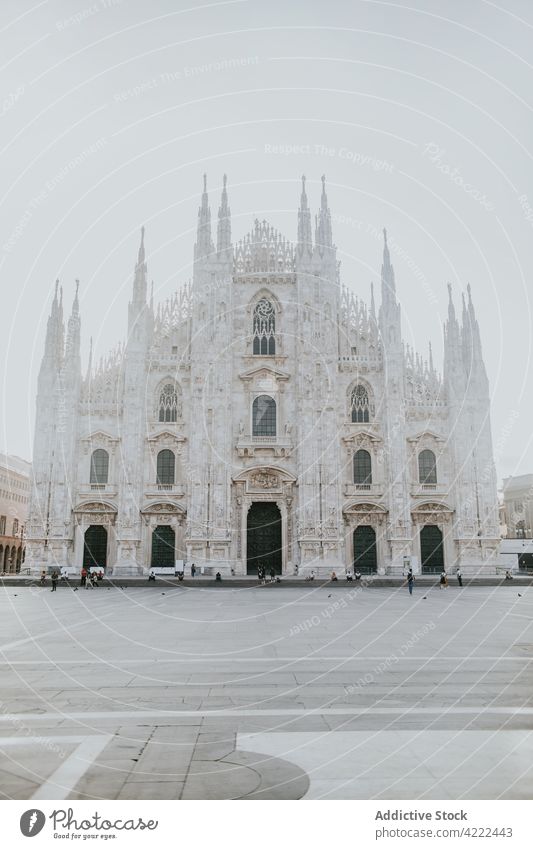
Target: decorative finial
{"type": "Point", "coordinates": [450, 291]}
{"type": "Point", "coordinates": [224, 181]}
{"type": "Point", "coordinates": [323, 178]}
{"type": "Point", "coordinates": [77, 286]}
{"type": "Point", "coordinates": [385, 236]}
{"type": "Point", "coordinates": [303, 182]}
{"type": "Point", "coordinates": [205, 183]}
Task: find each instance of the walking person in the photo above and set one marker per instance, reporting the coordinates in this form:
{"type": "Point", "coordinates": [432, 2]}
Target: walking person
{"type": "Point", "coordinates": [443, 580]}
{"type": "Point", "coordinates": [459, 577]}
{"type": "Point", "coordinates": [43, 578]}
{"type": "Point", "coordinates": [55, 577]}
{"type": "Point", "coordinates": [83, 577]}
{"type": "Point", "coordinates": [193, 570]}
{"type": "Point", "coordinates": [410, 581]}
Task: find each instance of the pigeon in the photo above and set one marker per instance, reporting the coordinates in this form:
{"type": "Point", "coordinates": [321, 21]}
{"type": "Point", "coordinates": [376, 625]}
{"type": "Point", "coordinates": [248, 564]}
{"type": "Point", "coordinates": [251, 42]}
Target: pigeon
{"type": "Point", "coordinates": [75, 589]}
{"type": "Point", "coordinates": [424, 597]}
{"type": "Point", "coordinates": [329, 596]}
{"type": "Point", "coordinates": [519, 595]}
{"type": "Point", "coordinates": [163, 593]}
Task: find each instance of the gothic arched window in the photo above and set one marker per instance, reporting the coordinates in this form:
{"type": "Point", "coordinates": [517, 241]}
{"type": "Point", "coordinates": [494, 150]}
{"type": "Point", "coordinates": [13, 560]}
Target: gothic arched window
{"type": "Point", "coordinates": [360, 404]}
{"type": "Point", "coordinates": [168, 403]}
{"type": "Point", "coordinates": [166, 466]}
{"type": "Point", "coordinates": [362, 468]}
{"type": "Point", "coordinates": [264, 328]}
{"type": "Point", "coordinates": [427, 467]}
{"type": "Point", "coordinates": [99, 466]}
{"type": "Point", "coordinates": [264, 416]}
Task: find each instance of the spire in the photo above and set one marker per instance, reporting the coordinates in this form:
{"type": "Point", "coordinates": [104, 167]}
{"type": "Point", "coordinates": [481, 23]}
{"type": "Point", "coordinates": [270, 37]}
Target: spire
{"type": "Point", "coordinates": [388, 282]}
{"type": "Point", "coordinates": [372, 302]}
{"type": "Point", "coordinates": [474, 340]}
{"type": "Point", "coordinates": [304, 224]}
{"type": "Point", "coordinates": [72, 347]}
{"type": "Point", "coordinates": [466, 337]}
{"type": "Point", "coordinates": [140, 282]}
{"type": "Point", "coordinates": [141, 257]}
{"type": "Point", "coordinates": [53, 346]}
{"type": "Point", "coordinates": [90, 362]}
{"type": "Point", "coordinates": [224, 221]}
{"type": "Point", "coordinates": [204, 246]}
{"type": "Point", "coordinates": [451, 308]}
{"type": "Point", "coordinates": [323, 237]}
{"type": "Point", "coordinates": [454, 371]}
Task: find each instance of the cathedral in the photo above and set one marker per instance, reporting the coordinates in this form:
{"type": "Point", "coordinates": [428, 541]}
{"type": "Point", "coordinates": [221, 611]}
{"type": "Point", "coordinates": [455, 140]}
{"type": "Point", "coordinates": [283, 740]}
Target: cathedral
{"type": "Point", "coordinates": [264, 417]}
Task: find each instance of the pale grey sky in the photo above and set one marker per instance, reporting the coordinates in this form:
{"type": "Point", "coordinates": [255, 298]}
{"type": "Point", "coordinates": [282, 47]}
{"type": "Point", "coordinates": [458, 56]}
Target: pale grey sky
{"type": "Point", "coordinates": [420, 113]}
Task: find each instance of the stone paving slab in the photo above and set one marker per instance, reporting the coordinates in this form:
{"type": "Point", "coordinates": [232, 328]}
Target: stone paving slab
{"type": "Point", "coordinates": [196, 686]}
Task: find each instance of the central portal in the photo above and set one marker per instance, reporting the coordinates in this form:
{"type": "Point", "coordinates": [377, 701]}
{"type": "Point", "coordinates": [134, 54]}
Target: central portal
{"type": "Point", "coordinates": [263, 538]}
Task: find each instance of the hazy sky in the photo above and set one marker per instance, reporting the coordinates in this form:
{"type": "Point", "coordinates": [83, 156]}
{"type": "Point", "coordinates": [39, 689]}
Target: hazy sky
{"type": "Point", "coordinates": [419, 113]}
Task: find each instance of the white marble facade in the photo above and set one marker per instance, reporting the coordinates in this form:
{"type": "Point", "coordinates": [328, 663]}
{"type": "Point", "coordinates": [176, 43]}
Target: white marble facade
{"type": "Point", "coordinates": [264, 391]}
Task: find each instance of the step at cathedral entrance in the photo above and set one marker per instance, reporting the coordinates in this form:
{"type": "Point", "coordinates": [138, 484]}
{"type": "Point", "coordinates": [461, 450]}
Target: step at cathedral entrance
{"type": "Point", "coordinates": [264, 538]}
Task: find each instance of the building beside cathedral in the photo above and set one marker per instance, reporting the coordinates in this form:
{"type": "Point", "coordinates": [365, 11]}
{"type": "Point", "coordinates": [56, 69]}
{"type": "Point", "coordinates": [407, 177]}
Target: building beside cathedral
{"type": "Point", "coordinates": [264, 415]}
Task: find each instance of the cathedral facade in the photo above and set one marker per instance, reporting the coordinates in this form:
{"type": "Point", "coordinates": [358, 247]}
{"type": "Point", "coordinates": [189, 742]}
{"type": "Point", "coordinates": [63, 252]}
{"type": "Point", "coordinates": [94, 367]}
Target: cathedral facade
{"type": "Point", "coordinates": [264, 416]}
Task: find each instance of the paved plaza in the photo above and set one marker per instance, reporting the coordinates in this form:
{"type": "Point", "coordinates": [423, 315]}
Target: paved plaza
{"type": "Point", "coordinates": [271, 692]}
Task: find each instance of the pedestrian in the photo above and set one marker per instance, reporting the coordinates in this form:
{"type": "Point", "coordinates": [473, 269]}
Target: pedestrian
{"type": "Point", "coordinates": [55, 577]}
{"type": "Point", "coordinates": [334, 576]}
{"type": "Point", "coordinates": [459, 577]}
{"type": "Point", "coordinates": [193, 570]}
{"type": "Point", "coordinates": [94, 580]}
{"type": "Point", "coordinates": [357, 575]}
{"type": "Point", "coordinates": [272, 574]}
{"type": "Point", "coordinates": [43, 578]}
{"type": "Point", "coordinates": [101, 575]}
{"type": "Point", "coordinates": [349, 576]}
{"type": "Point", "coordinates": [151, 576]}
{"type": "Point", "coordinates": [443, 580]}
{"type": "Point", "coordinates": [83, 580]}
{"type": "Point", "coordinates": [218, 576]}
{"type": "Point", "coordinates": [410, 581]}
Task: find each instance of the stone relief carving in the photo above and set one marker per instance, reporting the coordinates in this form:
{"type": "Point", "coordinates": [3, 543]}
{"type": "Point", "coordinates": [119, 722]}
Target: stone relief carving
{"type": "Point", "coordinates": [265, 480]}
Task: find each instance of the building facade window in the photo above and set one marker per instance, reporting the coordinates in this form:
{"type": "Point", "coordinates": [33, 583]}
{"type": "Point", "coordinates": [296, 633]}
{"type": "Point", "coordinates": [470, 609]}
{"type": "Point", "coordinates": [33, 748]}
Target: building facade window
{"type": "Point", "coordinates": [15, 527]}
{"type": "Point", "coordinates": [2, 526]}
{"type": "Point", "coordinates": [166, 467]}
{"type": "Point", "coordinates": [99, 466]}
{"type": "Point", "coordinates": [360, 404]}
{"type": "Point", "coordinates": [264, 416]}
{"type": "Point", "coordinates": [264, 328]}
{"type": "Point", "coordinates": [362, 468]}
{"type": "Point", "coordinates": [168, 403]}
{"type": "Point", "coordinates": [427, 467]}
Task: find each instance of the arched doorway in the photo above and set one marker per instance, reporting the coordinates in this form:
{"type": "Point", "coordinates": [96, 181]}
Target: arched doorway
{"type": "Point", "coordinates": [365, 557]}
{"type": "Point", "coordinates": [6, 559]}
{"type": "Point", "coordinates": [95, 547]}
{"type": "Point", "coordinates": [263, 538]}
{"type": "Point", "coordinates": [431, 549]}
{"type": "Point", "coordinates": [163, 546]}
